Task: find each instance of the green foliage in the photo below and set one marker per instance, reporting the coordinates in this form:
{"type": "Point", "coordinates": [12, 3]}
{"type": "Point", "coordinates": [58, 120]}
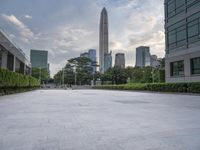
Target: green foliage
{"type": "Point", "coordinates": [12, 79]}
{"type": "Point", "coordinates": [81, 66]}
{"type": "Point", "coordinates": [158, 87]}
{"type": "Point", "coordinates": [134, 74]}
{"type": "Point", "coordinates": [41, 74]}
{"type": "Point", "coordinates": [115, 75]}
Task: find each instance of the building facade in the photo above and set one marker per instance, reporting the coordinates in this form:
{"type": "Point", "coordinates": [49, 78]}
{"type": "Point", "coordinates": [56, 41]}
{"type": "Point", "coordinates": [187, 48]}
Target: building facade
{"type": "Point", "coordinates": [85, 54]}
{"type": "Point", "coordinates": [143, 56]}
{"type": "Point", "coordinates": [120, 60]}
{"type": "Point", "coordinates": [182, 28]}
{"type": "Point", "coordinates": [108, 61]}
{"type": "Point", "coordinates": [39, 59]}
{"type": "Point", "coordinates": [103, 41]}
{"type": "Point", "coordinates": [91, 54]}
{"type": "Point", "coordinates": [155, 61]}
{"type": "Point", "coordinates": [12, 57]}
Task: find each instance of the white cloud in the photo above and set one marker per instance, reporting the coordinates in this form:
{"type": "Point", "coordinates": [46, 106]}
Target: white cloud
{"type": "Point", "coordinates": [25, 33]}
{"type": "Point", "coordinates": [66, 32]}
{"type": "Point", "coordinates": [28, 17]}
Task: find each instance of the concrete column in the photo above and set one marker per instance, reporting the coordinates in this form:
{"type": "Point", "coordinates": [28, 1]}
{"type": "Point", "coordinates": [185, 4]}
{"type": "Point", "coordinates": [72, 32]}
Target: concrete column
{"type": "Point", "coordinates": [4, 59]}
{"type": "Point", "coordinates": [24, 69]}
{"type": "Point", "coordinates": [187, 67]}
{"type": "Point", "coordinates": [14, 63]}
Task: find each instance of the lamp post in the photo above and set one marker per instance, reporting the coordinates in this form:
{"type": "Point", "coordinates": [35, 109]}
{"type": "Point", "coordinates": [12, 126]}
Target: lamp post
{"type": "Point", "coordinates": [63, 77]}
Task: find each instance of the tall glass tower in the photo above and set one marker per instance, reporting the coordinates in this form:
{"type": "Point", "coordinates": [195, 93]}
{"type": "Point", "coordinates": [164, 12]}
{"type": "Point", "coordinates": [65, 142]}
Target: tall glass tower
{"type": "Point", "coordinates": [103, 39]}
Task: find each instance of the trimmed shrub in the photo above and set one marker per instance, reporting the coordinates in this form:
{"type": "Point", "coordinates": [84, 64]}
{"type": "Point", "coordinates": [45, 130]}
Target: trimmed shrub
{"type": "Point", "coordinates": [13, 79]}
{"type": "Point", "coordinates": [158, 87]}
{"type": "Point", "coordinates": [12, 82]}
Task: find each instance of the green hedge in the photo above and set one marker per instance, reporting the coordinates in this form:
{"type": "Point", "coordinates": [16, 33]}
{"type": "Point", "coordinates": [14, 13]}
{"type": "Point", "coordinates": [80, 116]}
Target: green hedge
{"type": "Point", "coordinates": [12, 79]}
{"type": "Point", "coordinates": [158, 87]}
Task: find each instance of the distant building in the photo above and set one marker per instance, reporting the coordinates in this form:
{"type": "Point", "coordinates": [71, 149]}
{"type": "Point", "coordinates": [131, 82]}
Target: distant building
{"type": "Point", "coordinates": [143, 56]}
{"type": "Point", "coordinates": [12, 57]}
{"type": "Point", "coordinates": [120, 60]}
{"type": "Point", "coordinates": [39, 59]}
{"type": "Point", "coordinates": [85, 54]}
{"type": "Point", "coordinates": [103, 42]}
{"type": "Point", "coordinates": [91, 54]}
{"type": "Point", "coordinates": [155, 63]}
{"type": "Point", "coordinates": [182, 28]}
{"type": "Point", "coordinates": [93, 57]}
{"type": "Point", "coordinates": [108, 61]}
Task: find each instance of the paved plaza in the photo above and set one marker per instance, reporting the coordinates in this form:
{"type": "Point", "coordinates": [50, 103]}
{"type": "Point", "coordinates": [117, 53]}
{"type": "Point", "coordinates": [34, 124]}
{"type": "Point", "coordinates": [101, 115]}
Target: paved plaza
{"type": "Point", "coordinates": [99, 120]}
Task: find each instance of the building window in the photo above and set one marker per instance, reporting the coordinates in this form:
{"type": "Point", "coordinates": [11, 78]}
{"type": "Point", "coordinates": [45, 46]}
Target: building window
{"type": "Point", "coordinates": [193, 26]}
{"type": "Point", "coordinates": [177, 68]}
{"type": "Point", "coordinates": [195, 65]}
{"type": "Point", "coordinates": [175, 7]}
{"type": "Point", "coordinates": [177, 35]}
{"type": "Point", "coordinates": [192, 4]}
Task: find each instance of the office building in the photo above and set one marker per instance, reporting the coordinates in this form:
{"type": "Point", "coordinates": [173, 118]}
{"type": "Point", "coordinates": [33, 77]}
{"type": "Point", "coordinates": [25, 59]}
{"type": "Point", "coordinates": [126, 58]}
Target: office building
{"type": "Point", "coordinates": [39, 59]}
{"type": "Point", "coordinates": [182, 28]}
{"type": "Point", "coordinates": [85, 54]}
{"type": "Point", "coordinates": [103, 42]}
{"type": "Point", "coordinates": [12, 57]}
{"type": "Point", "coordinates": [107, 61]}
{"type": "Point", "coordinates": [91, 54]}
{"type": "Point", "coordinates": [143, 56]}
{"type": "Point", "coordinates": [120, 60]}
{"type": "Point", "coordinates": [155, 61]}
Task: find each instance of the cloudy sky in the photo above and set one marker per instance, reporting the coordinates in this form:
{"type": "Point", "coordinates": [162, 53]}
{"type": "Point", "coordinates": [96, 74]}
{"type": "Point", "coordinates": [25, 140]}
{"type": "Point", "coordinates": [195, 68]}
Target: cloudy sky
{"type": "Point", "coordinates": [68, 27]}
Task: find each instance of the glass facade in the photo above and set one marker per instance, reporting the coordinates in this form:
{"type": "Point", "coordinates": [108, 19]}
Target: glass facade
{"type": "Point", "coordinates": [192, 4]}
{"type": "Point", "coordinates": [195, 66]}
{"type": "Point", "coordinates": [177, 68]}
{"type": "Point", "coordinates": [193, 26]}
{"type": "Point", "coordinates": [184, 32]}
{"type": "Point", "coordinates": [39, 59]}
{"type": "Point", "coordinates": [177, 35]}
{"type": "Point", "coordinates": [175, 7]}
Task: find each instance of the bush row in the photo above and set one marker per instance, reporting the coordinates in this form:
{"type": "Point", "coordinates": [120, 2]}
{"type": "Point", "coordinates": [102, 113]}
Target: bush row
{"type": "Point", "coordinates": [158, 87]}
{"type": "Point", "coordinates": [12, 90]}
{"type": "Point", "coordinates": [12, 79]}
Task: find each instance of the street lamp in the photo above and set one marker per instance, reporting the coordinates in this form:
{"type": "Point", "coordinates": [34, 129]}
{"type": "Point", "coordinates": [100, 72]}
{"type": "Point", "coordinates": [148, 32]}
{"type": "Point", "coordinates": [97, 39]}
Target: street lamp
{"type": "Point", "coordinates": [63, 76]}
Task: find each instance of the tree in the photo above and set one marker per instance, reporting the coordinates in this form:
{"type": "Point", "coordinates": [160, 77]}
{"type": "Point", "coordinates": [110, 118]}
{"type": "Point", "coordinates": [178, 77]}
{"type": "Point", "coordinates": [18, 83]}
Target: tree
{"type": "Point", "coordinates": [78, 68]}
{"type": "Point", "coordinates": [41, 74]}
{"type": "Point", "coordinates": [115, 75]}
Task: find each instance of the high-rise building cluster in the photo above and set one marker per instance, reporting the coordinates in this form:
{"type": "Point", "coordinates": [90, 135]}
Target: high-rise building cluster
{"type": "Point", "coordinates": [91, 54]}
{"type": "Point", "coordinates": [145, 59]}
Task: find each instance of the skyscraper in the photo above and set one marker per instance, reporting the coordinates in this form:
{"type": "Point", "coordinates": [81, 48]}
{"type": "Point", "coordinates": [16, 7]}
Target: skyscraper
{"type": "Point", "coordinates": [39, 59]}
{"type": "Point", "coordinates": [91, 54]}
{"type": "Point", "coordinates": [120, 60]}
{"type": "Point", "coordinates": [107, 61]}
{"type": "Point", "coordinates": [143, 56]}
{"type": "Point", "coordinates": [182, 28]}
{"type": "Point", "coordinates": [103, 41]}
